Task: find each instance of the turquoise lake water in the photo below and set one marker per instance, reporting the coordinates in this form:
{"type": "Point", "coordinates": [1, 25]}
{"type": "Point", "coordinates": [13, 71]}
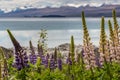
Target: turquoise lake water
{"type": "Point", "coordinates": [59, 30]}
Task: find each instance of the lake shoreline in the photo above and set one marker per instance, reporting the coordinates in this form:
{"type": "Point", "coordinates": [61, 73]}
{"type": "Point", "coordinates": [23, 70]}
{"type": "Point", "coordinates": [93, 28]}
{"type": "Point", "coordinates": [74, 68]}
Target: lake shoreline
{"type": "Point", "coordinates": [64, 49]}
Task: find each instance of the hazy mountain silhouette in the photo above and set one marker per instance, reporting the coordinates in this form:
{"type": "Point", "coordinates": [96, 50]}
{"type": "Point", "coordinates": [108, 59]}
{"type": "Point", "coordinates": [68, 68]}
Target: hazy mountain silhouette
{"type": "Point", "coordinates": [65, 11]}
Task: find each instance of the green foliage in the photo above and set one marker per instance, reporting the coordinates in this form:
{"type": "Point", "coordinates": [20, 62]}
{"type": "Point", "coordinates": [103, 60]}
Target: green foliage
{"type": "Point", "coordinates": [38, 67]}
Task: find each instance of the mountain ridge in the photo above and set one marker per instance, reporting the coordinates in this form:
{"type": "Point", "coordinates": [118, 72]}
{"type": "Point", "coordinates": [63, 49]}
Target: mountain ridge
{"type": "Point", "coordinates": [66, 11]}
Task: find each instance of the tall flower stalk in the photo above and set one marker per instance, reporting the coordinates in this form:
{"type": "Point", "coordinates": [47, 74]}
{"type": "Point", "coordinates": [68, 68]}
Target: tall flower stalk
{"type": "Point", "coordinates": [43, 39]}
{"type": "Point", "coordinates": [112, 43]}
{"type": "Point", "coordinates": [40, 50]}
{"type": "Point", "coordinates": [116, 31]}
{"type": "Point", "coordinates": [104, 52]}
{"type": "Point", "coordinates": [60, 62]}
{"type": "Point", "coordinates": [3, 66]}
{"type": "Point", "coordinates": [116, 28]}
{"type": "Point", "coordinates": [103, 43]}
{"type": "Point", "coordinates": [52, 65]}
{"type": "Point", "coordinates": [55, 56]}
{"type": "Point", "coordinates": [72, 50]}
{"type": "Point", "coordinates": [89, 55]}
{"type": "Point", "coordinates": [32, 56]}
{"type": "Point", "coordinates": [21, 58]}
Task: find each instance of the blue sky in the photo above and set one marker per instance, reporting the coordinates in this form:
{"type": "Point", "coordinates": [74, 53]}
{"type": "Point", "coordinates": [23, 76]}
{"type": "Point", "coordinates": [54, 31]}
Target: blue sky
{"type": "Point", "coordinates": [8, 5]}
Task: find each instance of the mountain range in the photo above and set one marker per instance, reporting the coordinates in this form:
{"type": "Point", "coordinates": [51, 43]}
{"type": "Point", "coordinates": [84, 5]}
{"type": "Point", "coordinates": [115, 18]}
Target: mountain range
{"type": "Point", "coordinates": [64, 11]}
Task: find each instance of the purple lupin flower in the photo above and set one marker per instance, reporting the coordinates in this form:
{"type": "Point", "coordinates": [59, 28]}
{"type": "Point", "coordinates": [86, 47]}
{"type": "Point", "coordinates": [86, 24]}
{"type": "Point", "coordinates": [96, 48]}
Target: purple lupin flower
{"type": "Point", "coordinates": [52, 63]}
{"type": "Point", "coordinates": [21, 59]}
{"type": "Point", "coordinates": [46, 61]}
{"type": "Point", "coordinates": [59, 64]}
{"type": "Point", "coordinates": [97, 61]}
{"type": "Point", "coordinates": [55, 57]}
{"type": "Point", "coordinates": [97, 57]}
{"type": "Point", "coordinates": [25, 57]}
{"type": "Point", "coordinates": [32, 56]}
{"type": "Point", "coordinates": [43, 59]}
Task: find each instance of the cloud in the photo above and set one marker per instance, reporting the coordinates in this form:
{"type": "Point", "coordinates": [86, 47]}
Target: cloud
{"type": "Point", "coordinates": [9, 5]}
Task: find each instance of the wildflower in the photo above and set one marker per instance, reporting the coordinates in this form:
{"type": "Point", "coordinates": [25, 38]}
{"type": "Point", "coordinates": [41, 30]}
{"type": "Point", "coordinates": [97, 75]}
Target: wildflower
{"type": "Point", "coordinates": [59, 64]}
{"type": "Point", "coordinates": [21, 58]}
{"type": "Point", "coordinates": [32, 56]}
{"type": "Point", "coordinates": [21, 61]}
{"type": "Point", "coordinates": [46, 62]}
{"type": "Point", "coordinates": [40, 51]}
{"type": "Point", "coordinates": [52, 63]}
{"type": "Point", "coordinates": [43, 59]}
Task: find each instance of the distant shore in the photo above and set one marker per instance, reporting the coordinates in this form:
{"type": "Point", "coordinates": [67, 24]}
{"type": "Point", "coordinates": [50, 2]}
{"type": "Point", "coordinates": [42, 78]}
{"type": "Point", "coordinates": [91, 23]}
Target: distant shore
{"type": "Point", "coordinates": [64, 49]}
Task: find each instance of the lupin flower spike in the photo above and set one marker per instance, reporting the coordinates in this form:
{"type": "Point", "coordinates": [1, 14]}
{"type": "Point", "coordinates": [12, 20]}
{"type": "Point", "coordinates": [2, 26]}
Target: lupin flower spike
{"type": "Point", "coordinates": [52, 63]}
{"type": "Point", "coordinates": [14, 41]}
{"type": "Point", "coordinates": [33, 57]}
{"type": "Point", "coordinates": [5, 66]}
{"type": "Point", "coordinates": [40, 50]}
{"type": "Point", "coordinates": [21, 58]}
{"type": "Point", "coordinates": [59, 62]}
{"type": "Point", "coordinates": [31, 47]}
{"type": "Point", "coordinates": [72, 49]}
